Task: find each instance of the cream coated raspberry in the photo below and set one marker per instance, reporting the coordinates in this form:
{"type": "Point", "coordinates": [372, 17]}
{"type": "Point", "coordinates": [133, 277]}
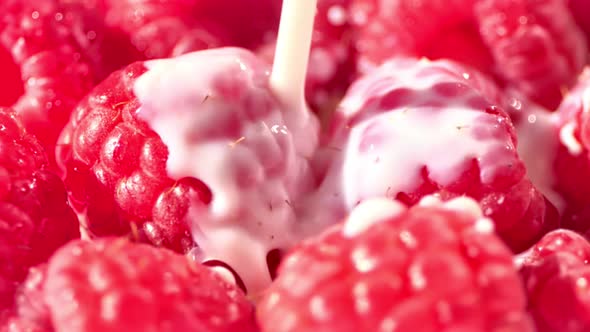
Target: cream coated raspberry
{"type": "Point", "coordinates": [413, 128]}
{"type": "Point", "coordinates": [430, 268]}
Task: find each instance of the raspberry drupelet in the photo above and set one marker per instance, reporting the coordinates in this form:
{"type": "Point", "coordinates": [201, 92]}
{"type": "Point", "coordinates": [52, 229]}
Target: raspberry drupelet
{"type": "Point", "coordinates": [432, 267]}
{"type": "Point", "coordinates": [415, 127]}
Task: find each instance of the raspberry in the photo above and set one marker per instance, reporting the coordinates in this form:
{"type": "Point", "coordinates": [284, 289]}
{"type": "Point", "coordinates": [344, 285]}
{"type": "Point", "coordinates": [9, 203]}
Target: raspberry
{"type": "Point", "coordinates": [114, 285]}
{"type": "Point", "coordinates": [35, 218]}
{"type": "Point", "coordinates": [132, 155]}
{"type": "Point", "coordinates": [387, 29]}
{"type": "Point", "coordinates": [45, 50]}
{"type": "Point", "coordinates": [571, 166]}
{"type": "Point", "coordinates": [555, 273]}
{"type": "Point", "coordinates": [158, 29]}
{"type": "Point", "coordinates": [536, 46]}
{"type": "Point", "coordinates": [16, 324]}
{"type": "Point", "coordinates": [31, 314]}
{"type": "Point", "coordinates": [413, 128]}
{"type": "Point", "coordinates": [580, 9]}
{"type": "Point", "coordinates": [428, 268]}
{"type": "Point", "coordinates": [250, 23]}
{"type": "Point", "coordinates": [533, 46]}
{"type": "Point", "coordinates": [116, 169]}
{"type": "Point", "coordinates": [30, 304]}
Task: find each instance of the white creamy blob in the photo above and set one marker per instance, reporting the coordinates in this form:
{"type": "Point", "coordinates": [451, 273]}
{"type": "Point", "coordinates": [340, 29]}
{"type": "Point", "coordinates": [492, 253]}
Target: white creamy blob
{"type": "Point", "coordinates": [462, 204]}
{"type": "Point", "coordinates": [537, 146]}
{"type": "Point", "coordinates": [386, 154]}
{"type": "Point", "coordinates": [417, 75]}
{"type": "Point", "coordinates": [568, 139]}
{"type": "Point", "coordinates": [369, 213]}
{"type": "Point", "coordinates": [256, 175]}
{"type": "Point", "coordinates": [383, 151]}
{"type": "Point", "coordinates": [567, 132]}
{"type": "Point", "coordinates": [577, 101]}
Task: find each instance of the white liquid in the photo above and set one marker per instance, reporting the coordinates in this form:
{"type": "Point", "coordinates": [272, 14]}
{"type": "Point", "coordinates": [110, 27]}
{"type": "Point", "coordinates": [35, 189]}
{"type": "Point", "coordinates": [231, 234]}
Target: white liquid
{"type": "Point", "coordinates": [386, 153]}
{"type": "Point", "coordinates": [256, 176]}
{"type": "Point", "coordinates": [537, 147]}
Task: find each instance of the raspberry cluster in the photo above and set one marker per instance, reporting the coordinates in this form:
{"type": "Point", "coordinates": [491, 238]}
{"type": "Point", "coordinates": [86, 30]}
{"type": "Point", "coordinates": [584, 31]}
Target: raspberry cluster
{"type": "Point", "coordinates": [217, 165]}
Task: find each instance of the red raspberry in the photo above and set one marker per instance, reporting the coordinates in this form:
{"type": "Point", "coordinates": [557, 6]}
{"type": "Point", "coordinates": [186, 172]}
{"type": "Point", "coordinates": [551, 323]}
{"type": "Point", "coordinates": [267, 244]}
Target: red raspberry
{"type": "Point", "coordinates": [332, 58]}
{"type": "Point", "coordinates": [35, 218]}
{"type": "Point", "coordinates": [556, 273]}
{"type": "Point", "coordinates": [146, 179]}
{"type": "Point", "coordinates": [250, 23]}
{"type": "Point", "coordinates": [116, 169]}
{"type": "Point", "coordinates": [413, 128]}
{"type": "Point", "coordinates": [16, 324]}
{"type": "Point", "coordinates": [580, 9]}
{"type": "Point", "coordinates": [44, 41]}
{"type": "Point", "coordinates": [536, 46]}
{"type": "Point", "coordinates": [393, 28]}
{"type": "Point", "coordinates": [30, 304]}
{"type": "Point", "coordinates": [533, 46]}
{"type": "Point", "coordinates": [10, 84]}
{"type": "Point", "coordinates": [115, 285]}
{"type": "Point", "coordinates": [427, 268]}
{"type": "Point", "coordinates": [31, 313]}
{"type": "Point", "coordinates": [158, 29]}
{"type": "Point", "coordinates": [571, 167]}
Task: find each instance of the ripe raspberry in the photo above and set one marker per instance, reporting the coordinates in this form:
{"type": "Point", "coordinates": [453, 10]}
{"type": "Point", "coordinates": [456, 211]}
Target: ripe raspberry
{"type": "Point", "coordinates": [116, 169]}
{"type": "Point", "coordinates": [114, 285]}
{"type": "Point", "coordinates": [332, 58]}
{"type": "Point", "coordinates": [16, 324]}
{"type": "Point", "coordinates": [159, 29]}
{"type": "Point", "coordinates": [250, 23]}
{"type": "Point", "coordinates": [45, 45]}
{"type": "Point", "coordinates": [30, 303]}
{"type": "Point", "coordinates": [399, 28]}
{"type": "Point", "coordinates": [556, 273]}
{"type": "Point", "coordinates": [533, 46]}
{"type": "Point", "coordinates": [413, 128]}
{"type": "Point", "coordinates": [537, 47]}
{"type": "Point", "coordinates": [427, 268]}
{"type": "Point", "coordinates": [35, 218]}
{"type": "Point", "coordinates": [571, 167]}
{"type": "Point", "coordinates": [580, 9]}
{"type": "Point", "coordinates": [132, 155]}
{"type": "Point", "coordinates": [31, 314]}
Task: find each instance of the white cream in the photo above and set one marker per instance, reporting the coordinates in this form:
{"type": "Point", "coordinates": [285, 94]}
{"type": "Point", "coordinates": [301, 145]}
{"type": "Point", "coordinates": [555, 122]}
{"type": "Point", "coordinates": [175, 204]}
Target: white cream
{"type": "Point", "coordinates": [291, 59]}
{"type": "Point", "coordinates": [577, 101]}
{"type": "Point", "coordinates": [403, 73]}
{"type": "Point", "coordinates": [377, 210]}
{"type": "Point", "coordinates": [538, 142]}
{"type": "Point", "coordinates": [462, 204]}
{"type": "Point", "coordinates": [568, 139]}
{"type": "Point", "coordinates": [369, 213]}
{"type": "Point", "coordinates": [386, 153]}
{"type": "Point", "coordinates": [256, 176]}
